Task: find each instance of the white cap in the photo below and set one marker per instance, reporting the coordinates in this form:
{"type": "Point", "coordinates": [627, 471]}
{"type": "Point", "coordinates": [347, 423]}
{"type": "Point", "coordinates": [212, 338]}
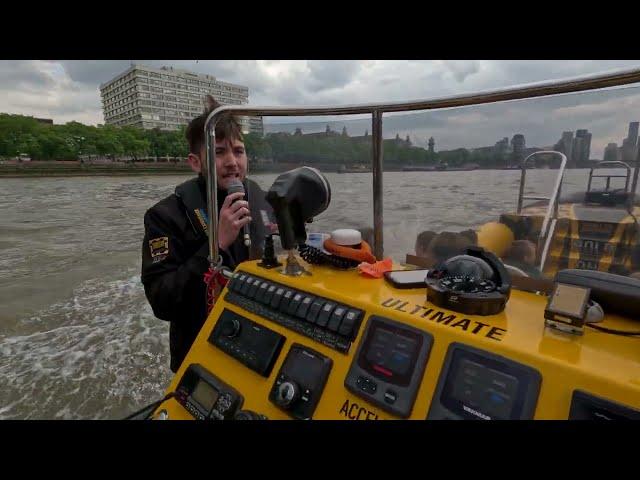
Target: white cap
{"type": "Point", "coordinates": [346, 237]}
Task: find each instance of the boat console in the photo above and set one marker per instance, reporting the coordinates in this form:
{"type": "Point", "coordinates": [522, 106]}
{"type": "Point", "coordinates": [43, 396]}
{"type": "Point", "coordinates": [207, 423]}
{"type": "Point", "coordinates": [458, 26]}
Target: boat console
{"type": "Point", "coordinates": [321, 342]}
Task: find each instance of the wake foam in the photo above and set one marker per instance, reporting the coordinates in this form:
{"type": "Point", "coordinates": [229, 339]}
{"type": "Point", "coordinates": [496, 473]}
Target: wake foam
{"type": "Point", "coordinates": [100, 354]}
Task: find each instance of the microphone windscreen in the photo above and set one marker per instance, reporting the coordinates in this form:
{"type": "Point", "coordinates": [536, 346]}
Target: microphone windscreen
{"type": "Point", "coordinates": [235, 186]}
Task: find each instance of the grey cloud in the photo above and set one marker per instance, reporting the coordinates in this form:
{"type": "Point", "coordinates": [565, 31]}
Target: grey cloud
{"type": "Point", "coordinates": [24, 74]}
{"type": "Point", "coordinates": [515, 72]}
{"type": "Point", "coordinates": [330, 74]}
{"type": "Point", "coordinates": [462, 69]}
{"type": "Point", "coordinates": [38, 89]}
{"type": "Point", "coordinates": [605, 114]}
{"type": "Point", "coordinates": [94, 72]}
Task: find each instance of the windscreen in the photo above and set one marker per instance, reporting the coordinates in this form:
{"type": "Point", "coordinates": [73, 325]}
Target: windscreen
{"type": "Point", "coordinates": [453, 178]}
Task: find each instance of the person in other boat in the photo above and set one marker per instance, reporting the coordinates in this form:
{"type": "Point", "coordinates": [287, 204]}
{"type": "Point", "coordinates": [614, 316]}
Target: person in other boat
{"type": "Point", "coordinates": [175, 248]}
{"type": "Point", "coordinates": [449, 244]}
{"type": "Point", "coordinates": [522, 255]}
{"type": "Point", "coordinates": [422, 243]}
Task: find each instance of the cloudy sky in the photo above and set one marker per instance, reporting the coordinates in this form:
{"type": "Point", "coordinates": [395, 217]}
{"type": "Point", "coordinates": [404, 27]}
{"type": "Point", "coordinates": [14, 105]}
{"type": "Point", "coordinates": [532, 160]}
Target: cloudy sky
{"type": "Point", "coordinates": [69, 90]}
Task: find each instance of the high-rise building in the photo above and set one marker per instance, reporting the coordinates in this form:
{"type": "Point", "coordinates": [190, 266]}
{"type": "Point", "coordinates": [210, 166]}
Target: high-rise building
{"type": "Point", "coordinates": [518, 145]}
{"type": "Point", "coordinates": [432, 145]}
{"type": "Point", "coordinates": [629, 149]}
{"type": "Point", "coordinates": [581, 148]}
{"type": "Point", "coordinates": [565, 145]}
{"type": "Point", "coordinates": [633, 133]}
{"type": "Point", "coordinates": [167, 98]}
{"type": "Point", "coordinates": [611, 152]}
{"type": "Point", "coordinates": [502, 147]}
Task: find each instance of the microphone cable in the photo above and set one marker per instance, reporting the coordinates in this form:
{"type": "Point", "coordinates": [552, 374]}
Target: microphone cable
{"type": "Point", "coordinates": [151, 406]}
{"type": "Point", "coordinates": [316, 256]}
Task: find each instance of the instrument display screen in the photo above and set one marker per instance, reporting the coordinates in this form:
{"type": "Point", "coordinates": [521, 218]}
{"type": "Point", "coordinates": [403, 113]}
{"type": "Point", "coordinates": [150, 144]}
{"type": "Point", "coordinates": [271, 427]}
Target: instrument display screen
{"type": "Point", "coordinates": [302, 364]}
{"type": "Point", "coordinates": [479, 385]}
{"type": "Point", "coordinates": [205, 395]}
{"type": "Point", "coordinates": [569, 300]}
{"type": "Point", "coordinates": [390, 353]}
{"type": "Point", "coordinates": [486, 391]}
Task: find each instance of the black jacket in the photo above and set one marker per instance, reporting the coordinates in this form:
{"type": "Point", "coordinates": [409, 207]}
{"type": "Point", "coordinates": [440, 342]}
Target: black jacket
{"type": "Point", "coordinates": [175, 254]}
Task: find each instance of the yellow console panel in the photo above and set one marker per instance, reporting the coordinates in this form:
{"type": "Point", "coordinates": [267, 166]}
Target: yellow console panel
{"type": "Point", "coordinates": [382, 353]}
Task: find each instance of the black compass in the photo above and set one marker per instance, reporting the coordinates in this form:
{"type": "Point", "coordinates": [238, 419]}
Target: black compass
{"type": "Point", "coordinates": [467, 284]}
{"type": "Point", "coordinates": [475, 283]}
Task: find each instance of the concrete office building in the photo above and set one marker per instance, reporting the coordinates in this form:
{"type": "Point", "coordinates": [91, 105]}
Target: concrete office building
{"type": "Point", "coordinates": [167, 98]}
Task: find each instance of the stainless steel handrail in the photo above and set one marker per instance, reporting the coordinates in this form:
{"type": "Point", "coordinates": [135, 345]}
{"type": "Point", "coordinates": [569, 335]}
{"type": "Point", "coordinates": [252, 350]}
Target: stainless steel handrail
{"type": "Point", "coordinates": [610, 164]}
{"type": "Point", "coordinates": [552, 207]}
{"type": "Point", "coordinates": [523, 175]}
{"type": "Point", "coordinates": [547, 244]}
{"type": "Point", "coordinates": [634, 183]}
{"type": "Point", "coordinates": [540, 89]}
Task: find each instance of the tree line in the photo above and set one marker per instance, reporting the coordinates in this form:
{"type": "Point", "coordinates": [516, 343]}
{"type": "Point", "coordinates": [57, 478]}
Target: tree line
{"type": "Point", "coordinates": [333, 149]}
{"type": "Point", "coordinates": [74, 140]}
{"type": "Point", "coordinates": [344, 150]}
{"type": "Point", "coordinates": [43, 141]}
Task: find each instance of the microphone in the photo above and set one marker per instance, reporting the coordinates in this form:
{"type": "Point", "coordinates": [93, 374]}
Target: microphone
{"type": "Point", "coordinates": [236, 186]}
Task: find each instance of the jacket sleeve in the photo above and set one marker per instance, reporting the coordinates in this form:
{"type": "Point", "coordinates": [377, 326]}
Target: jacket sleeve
{"type": "Point", "coordinates": [173, 278]}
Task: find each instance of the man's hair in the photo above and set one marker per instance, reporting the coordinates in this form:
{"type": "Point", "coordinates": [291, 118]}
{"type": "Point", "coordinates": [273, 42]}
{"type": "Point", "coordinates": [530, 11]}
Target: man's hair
{"type": "Point", "coordinates": [447, 244]}
{"type": "Point", "coordinates": [226, 128]}
{"type": "Point", "coordinates": [423, 240]}
{"type": "Point", "coordinates": [520, 249]}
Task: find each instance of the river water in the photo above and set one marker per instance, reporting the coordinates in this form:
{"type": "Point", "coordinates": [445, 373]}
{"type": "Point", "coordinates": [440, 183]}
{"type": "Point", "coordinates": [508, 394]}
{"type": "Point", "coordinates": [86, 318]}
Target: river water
{"type": "Point", "coordinates": [78, 339]}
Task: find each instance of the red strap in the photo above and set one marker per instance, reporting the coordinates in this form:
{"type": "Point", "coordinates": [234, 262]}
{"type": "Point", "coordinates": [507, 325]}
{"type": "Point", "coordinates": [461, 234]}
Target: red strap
{"type": "Point", "coordinates": [215, 282]}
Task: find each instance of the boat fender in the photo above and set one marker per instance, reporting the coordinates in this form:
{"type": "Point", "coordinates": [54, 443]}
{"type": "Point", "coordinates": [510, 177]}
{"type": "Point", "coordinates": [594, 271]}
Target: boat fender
{"type": "Point", "coordinates": [495, 237]}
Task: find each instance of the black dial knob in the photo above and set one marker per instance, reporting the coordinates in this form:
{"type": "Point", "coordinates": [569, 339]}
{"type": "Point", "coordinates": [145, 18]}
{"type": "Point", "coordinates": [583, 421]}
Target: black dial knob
{"type": "Point", "coordinates": [288, 392]}
{"type": "Point", "coordinates": [249, 415]}
{"type": "Point", "coordinates": [230, 327]}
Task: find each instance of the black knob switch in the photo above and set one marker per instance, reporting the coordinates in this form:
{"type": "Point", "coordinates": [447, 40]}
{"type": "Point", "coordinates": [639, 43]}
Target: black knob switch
{"type": "Point", "coordinates": [287, 394]}
{"type": "Point", "coordinates": [230, 327]}
{"type": "Point", "coordinates": [249, 415]}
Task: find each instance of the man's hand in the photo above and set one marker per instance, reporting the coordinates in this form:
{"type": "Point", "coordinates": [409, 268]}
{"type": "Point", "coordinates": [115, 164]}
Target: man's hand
{"type": "Point", "coordinates": [233, 216]}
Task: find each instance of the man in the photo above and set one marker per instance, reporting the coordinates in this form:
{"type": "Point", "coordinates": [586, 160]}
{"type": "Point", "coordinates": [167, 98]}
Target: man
{"type": "Point", "coordinates": [175, 248]}
{"type": "Point", "coordinates": [522, 255]}
{"type": "Point", "coordinates": [445, 245]}
{"type": "Point", "coordinates": [422, 243]}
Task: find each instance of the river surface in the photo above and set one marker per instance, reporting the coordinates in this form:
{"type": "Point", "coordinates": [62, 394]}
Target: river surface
{"type": "Point", "coordinates": [78, 339]}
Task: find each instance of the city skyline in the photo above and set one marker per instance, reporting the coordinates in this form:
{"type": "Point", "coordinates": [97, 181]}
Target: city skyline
{"type": "Point", "coordinates": [582, 141]}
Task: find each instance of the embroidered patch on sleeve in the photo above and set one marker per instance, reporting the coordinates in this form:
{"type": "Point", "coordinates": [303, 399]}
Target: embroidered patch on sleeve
{"type": "Point", "coordinates": [203, 219]}
{"type": "Point", "coordinates": [159, 248]}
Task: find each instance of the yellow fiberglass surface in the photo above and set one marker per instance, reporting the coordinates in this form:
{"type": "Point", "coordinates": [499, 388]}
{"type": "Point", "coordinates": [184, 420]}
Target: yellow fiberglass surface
{"type": "Point", "coordinates": [603, 364]}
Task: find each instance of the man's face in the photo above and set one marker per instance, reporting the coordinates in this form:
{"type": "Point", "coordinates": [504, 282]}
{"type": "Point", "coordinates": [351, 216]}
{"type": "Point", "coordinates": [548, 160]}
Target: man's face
{"type": "Point", "coordinates": [231, 162]}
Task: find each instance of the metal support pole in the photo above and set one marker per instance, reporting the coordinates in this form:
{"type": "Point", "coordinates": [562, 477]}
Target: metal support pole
{"type": "Point", "coordinates": [212, 188]}
{"type": "Point", "coordinates": [634, 184]}
{"type": "Point", "coordinates": [378, 246]}
{"type": "Point", "coordinates": [523, 175]}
